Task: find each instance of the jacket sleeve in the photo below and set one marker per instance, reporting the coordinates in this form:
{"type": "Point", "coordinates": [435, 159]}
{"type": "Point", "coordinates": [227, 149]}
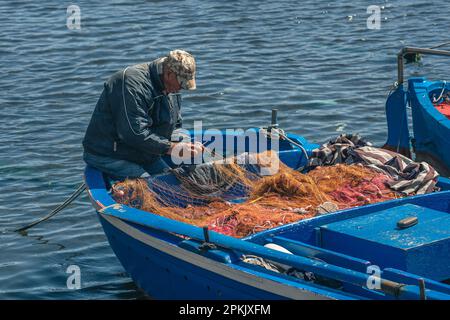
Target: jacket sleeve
{"type": "Point", "coordinates": [179, 123]}
{"type": "Point", "coordinates": [133, 124]}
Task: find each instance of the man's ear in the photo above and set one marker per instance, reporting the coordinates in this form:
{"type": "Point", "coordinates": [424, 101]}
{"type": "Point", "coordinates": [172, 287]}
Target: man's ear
{"type": "Point", "coordinates": [172, 75]}
{"type": "Point", "coordinates": [169, 75]}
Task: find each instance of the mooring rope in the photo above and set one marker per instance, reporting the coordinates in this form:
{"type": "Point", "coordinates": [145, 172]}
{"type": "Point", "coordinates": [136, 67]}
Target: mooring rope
{"type": "Point", "coordinates": [62, 206]}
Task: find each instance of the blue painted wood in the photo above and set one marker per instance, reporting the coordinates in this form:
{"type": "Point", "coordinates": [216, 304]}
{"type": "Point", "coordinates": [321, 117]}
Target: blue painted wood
{"type": "Point", "coordinates": [149, 266]}
{"type": "Point", "coordinates": [335, 293]}
{"type": "Point", "coordinates": [168, 225]}
{"type": "Point", "coordinates": [305, 230]}
{"type": "Point", "coordinates": [443, 183]}
{"type": "Point", "coordinates": [162, 276]}
{"type": "Point", "coordinates": [332, 257]}
{"type": "Point", "coordinates": [216, 254]}
{"type": "Point", "coordinates": [431, 128]}
{"type": "Point", "coordinates": [396, 117]}
{"type": "Point", "coordinates": [422, 249]}
{"type": "Point", "coordinates": [164, 224]}
{"type": "Point", "coordinates": [409, 278]}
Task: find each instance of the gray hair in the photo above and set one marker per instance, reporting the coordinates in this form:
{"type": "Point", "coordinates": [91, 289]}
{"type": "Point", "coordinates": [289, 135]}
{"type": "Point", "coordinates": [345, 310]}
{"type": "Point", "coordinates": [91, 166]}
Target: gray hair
{"type": "Point", "coordinates": [160, 63]}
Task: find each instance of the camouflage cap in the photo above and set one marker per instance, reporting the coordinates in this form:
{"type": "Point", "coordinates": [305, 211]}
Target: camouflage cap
{"type": "Point", "coordinates": [183, 64]}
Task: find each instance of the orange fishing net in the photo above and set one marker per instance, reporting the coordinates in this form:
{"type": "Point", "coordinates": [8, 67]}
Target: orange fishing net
{"type": "Point", "coordinates": [284, 197]}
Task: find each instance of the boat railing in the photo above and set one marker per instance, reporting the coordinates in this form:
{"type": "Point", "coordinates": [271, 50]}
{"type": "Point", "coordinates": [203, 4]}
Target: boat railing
{"type": "Point", "coordinates": [414, 50]}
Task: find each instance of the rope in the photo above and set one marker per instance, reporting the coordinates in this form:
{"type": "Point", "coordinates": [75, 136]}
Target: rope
{"type": "Point", "coordinates": [282, 134]}
{"type": "Point", "coordinates": [62, 206]}
{"type": "Point", "coordinates": [258, 261]}
{"type": "Point", "coordinates": [442, 92]}
{"type": "Point", "coordinates": [440, 45]}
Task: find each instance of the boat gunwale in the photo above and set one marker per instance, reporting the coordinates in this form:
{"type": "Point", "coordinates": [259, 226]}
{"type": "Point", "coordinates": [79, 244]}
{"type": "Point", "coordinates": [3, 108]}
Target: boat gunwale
{"type": "Point", "coordinates": [422, 91]}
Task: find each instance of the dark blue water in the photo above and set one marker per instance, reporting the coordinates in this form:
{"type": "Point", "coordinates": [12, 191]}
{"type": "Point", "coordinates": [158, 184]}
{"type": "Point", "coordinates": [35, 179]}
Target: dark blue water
{"type": "Point", "coordinates": [316, 61]}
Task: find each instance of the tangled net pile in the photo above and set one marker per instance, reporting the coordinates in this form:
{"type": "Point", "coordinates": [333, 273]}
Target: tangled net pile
{"type": "Point", "coordinates": [287, 196]}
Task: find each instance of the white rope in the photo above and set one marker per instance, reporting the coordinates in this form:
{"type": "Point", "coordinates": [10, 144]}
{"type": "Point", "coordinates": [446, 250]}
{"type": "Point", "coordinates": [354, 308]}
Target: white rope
{"type": "Point", "coordinates": [442, 92]}
{"type": "Point", "coordinates": [258, 261]}
{"type": "Point", "coordinates": [282, 134]}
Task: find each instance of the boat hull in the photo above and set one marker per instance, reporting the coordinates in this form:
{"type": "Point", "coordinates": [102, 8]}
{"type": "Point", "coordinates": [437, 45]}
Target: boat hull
{"type": "Point", "coordinates": [431, 129]}
{"type": "Point", "coordinates": [165, 271]}
{"type": "Point", "coordinates": [167, 259]}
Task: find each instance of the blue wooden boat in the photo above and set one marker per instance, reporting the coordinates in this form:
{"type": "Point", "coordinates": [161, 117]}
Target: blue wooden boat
{"type": "Point", "coordinates": [430, 140]}
{"type": "Point", "coordinates": [343, 250]}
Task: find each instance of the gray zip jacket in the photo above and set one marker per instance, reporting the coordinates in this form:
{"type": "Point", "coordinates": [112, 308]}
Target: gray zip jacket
{"type": "Point", "coordinates": [133, 120]}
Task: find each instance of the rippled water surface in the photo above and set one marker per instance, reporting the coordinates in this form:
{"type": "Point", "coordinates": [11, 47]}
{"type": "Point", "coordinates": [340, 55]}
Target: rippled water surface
{"type": "Point", "coordinates": [315, 61]}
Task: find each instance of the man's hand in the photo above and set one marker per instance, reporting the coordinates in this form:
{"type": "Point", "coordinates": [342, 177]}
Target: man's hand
{"type": "Point", "coordinates": [185, 149]}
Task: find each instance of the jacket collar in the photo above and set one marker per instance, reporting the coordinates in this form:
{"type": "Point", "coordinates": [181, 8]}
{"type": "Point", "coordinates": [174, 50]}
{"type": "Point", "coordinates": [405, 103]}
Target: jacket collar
{"type": "Point", "coordinates": [155, 77]}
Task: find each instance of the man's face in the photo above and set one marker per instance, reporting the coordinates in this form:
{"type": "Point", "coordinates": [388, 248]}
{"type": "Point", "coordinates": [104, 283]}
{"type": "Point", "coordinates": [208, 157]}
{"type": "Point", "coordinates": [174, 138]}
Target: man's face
{"type": "Point", "coordinates": [171, 84]}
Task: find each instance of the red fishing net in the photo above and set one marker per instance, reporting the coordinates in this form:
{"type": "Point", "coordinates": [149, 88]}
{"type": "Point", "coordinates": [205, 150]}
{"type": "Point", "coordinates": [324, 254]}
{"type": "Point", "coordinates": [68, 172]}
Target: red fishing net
{"type": "Point", "coordinates": [271, 201]}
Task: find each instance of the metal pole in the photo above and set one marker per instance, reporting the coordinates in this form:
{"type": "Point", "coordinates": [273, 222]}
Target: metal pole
{"type": "Point", "coordinates": [400, 67]}
{"type": "Point", "coordinates": [274, 122]}
{"type": "Point", "coordinates": [274, 118]}
{"type": "Point", "coordinates": [422, 289]}
{"type": "Point", "coordinates": [406, 50]}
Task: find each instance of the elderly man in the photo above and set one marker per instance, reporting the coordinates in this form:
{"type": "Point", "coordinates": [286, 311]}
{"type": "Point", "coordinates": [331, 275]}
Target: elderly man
{"type": "Point", "coordinates": [136, 115]}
